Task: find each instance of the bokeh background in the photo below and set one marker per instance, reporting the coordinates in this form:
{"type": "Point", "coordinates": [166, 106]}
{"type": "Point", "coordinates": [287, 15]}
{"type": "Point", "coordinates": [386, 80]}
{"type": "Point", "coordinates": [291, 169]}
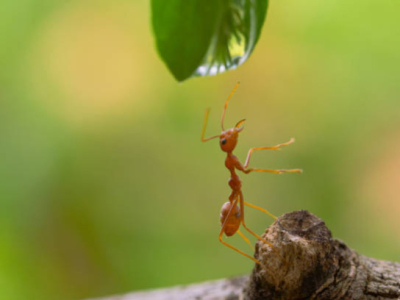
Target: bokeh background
{"type": "Point", "coordinates": [104, 185]}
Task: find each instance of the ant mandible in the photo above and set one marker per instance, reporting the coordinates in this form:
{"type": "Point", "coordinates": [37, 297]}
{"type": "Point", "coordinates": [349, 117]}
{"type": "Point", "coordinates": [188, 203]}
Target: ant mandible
{"type": "Point", "coordinates": [231, 215]}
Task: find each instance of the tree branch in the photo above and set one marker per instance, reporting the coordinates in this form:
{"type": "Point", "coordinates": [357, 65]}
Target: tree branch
{"type": "Point", "coordinates": [306, 263]}
{"type": "Point", "coordinates": [319, 267]}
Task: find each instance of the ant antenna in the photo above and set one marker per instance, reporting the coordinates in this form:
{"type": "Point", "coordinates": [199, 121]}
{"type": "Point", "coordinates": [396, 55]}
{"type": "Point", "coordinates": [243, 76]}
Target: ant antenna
{"type": "Point", "coordinates": [226, 105]}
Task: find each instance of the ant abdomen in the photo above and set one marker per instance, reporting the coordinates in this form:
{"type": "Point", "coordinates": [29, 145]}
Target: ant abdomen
{"type": "Point", "coordinates": [232, 223]}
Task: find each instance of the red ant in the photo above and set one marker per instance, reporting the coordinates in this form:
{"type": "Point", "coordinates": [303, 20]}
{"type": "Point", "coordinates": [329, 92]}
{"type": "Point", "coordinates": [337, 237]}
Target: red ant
{"type": "Point", "coordinates": [231, 215]}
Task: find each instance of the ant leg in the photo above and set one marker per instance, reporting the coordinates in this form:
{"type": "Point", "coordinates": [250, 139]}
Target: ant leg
{"type": "Point", "coordinates": [204, 128]}
{"type": "Point", "coordinates": [246, 240]}
{"type": "Point", "coordinates": [230, 246]}
{"type": "Point", "coordinates": [232, 196]}
{"type": "Point", "coordinates": [237, 250]}
{"type": "Point", "coordinates": [274, 171]}
{"type": "Point", "coordinates": [255, 234]}
{"type": "Point", "coordinates": [261, 209]}
{"type": "Point", "coordinates": [276, 147]}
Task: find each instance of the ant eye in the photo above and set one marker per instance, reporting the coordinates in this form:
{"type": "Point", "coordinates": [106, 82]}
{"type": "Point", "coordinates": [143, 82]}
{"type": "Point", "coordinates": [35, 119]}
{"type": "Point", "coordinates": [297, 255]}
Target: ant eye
{"type": "Point", "coordinates": [223, 141]}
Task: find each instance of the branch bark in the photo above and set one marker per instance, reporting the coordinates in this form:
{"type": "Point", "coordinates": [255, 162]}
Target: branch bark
{"type": "Point", "coordinates": [319, 268]}
{"type": "Point", "coordinates": [306, 263]}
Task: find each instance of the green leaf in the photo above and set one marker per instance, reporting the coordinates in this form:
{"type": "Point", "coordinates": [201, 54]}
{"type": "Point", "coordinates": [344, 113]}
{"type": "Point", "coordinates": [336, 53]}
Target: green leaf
{"type": "Point", "coordinates": [206, 37]}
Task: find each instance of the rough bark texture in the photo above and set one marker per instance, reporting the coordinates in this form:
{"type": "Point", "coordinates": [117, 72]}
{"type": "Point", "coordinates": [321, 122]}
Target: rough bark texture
{"type": "Point", "coordinates": [319, 267]}
{"type": "Point", "coordinates": [306, 263]}
{"type": "Point", "coordinates": [224, 289]}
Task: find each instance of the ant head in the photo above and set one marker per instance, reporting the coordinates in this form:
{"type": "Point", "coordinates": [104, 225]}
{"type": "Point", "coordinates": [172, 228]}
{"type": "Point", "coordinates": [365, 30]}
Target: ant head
{"type": "Point", "coordinates": [228, 138]}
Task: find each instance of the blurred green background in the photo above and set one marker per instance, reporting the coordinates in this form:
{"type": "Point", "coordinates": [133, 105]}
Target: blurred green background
{"type": "Point", "coordinates": [105, 186]}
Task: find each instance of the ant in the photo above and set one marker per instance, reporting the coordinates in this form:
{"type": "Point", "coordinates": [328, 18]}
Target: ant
{"type": "Point", "coordinates": [231, 215]}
